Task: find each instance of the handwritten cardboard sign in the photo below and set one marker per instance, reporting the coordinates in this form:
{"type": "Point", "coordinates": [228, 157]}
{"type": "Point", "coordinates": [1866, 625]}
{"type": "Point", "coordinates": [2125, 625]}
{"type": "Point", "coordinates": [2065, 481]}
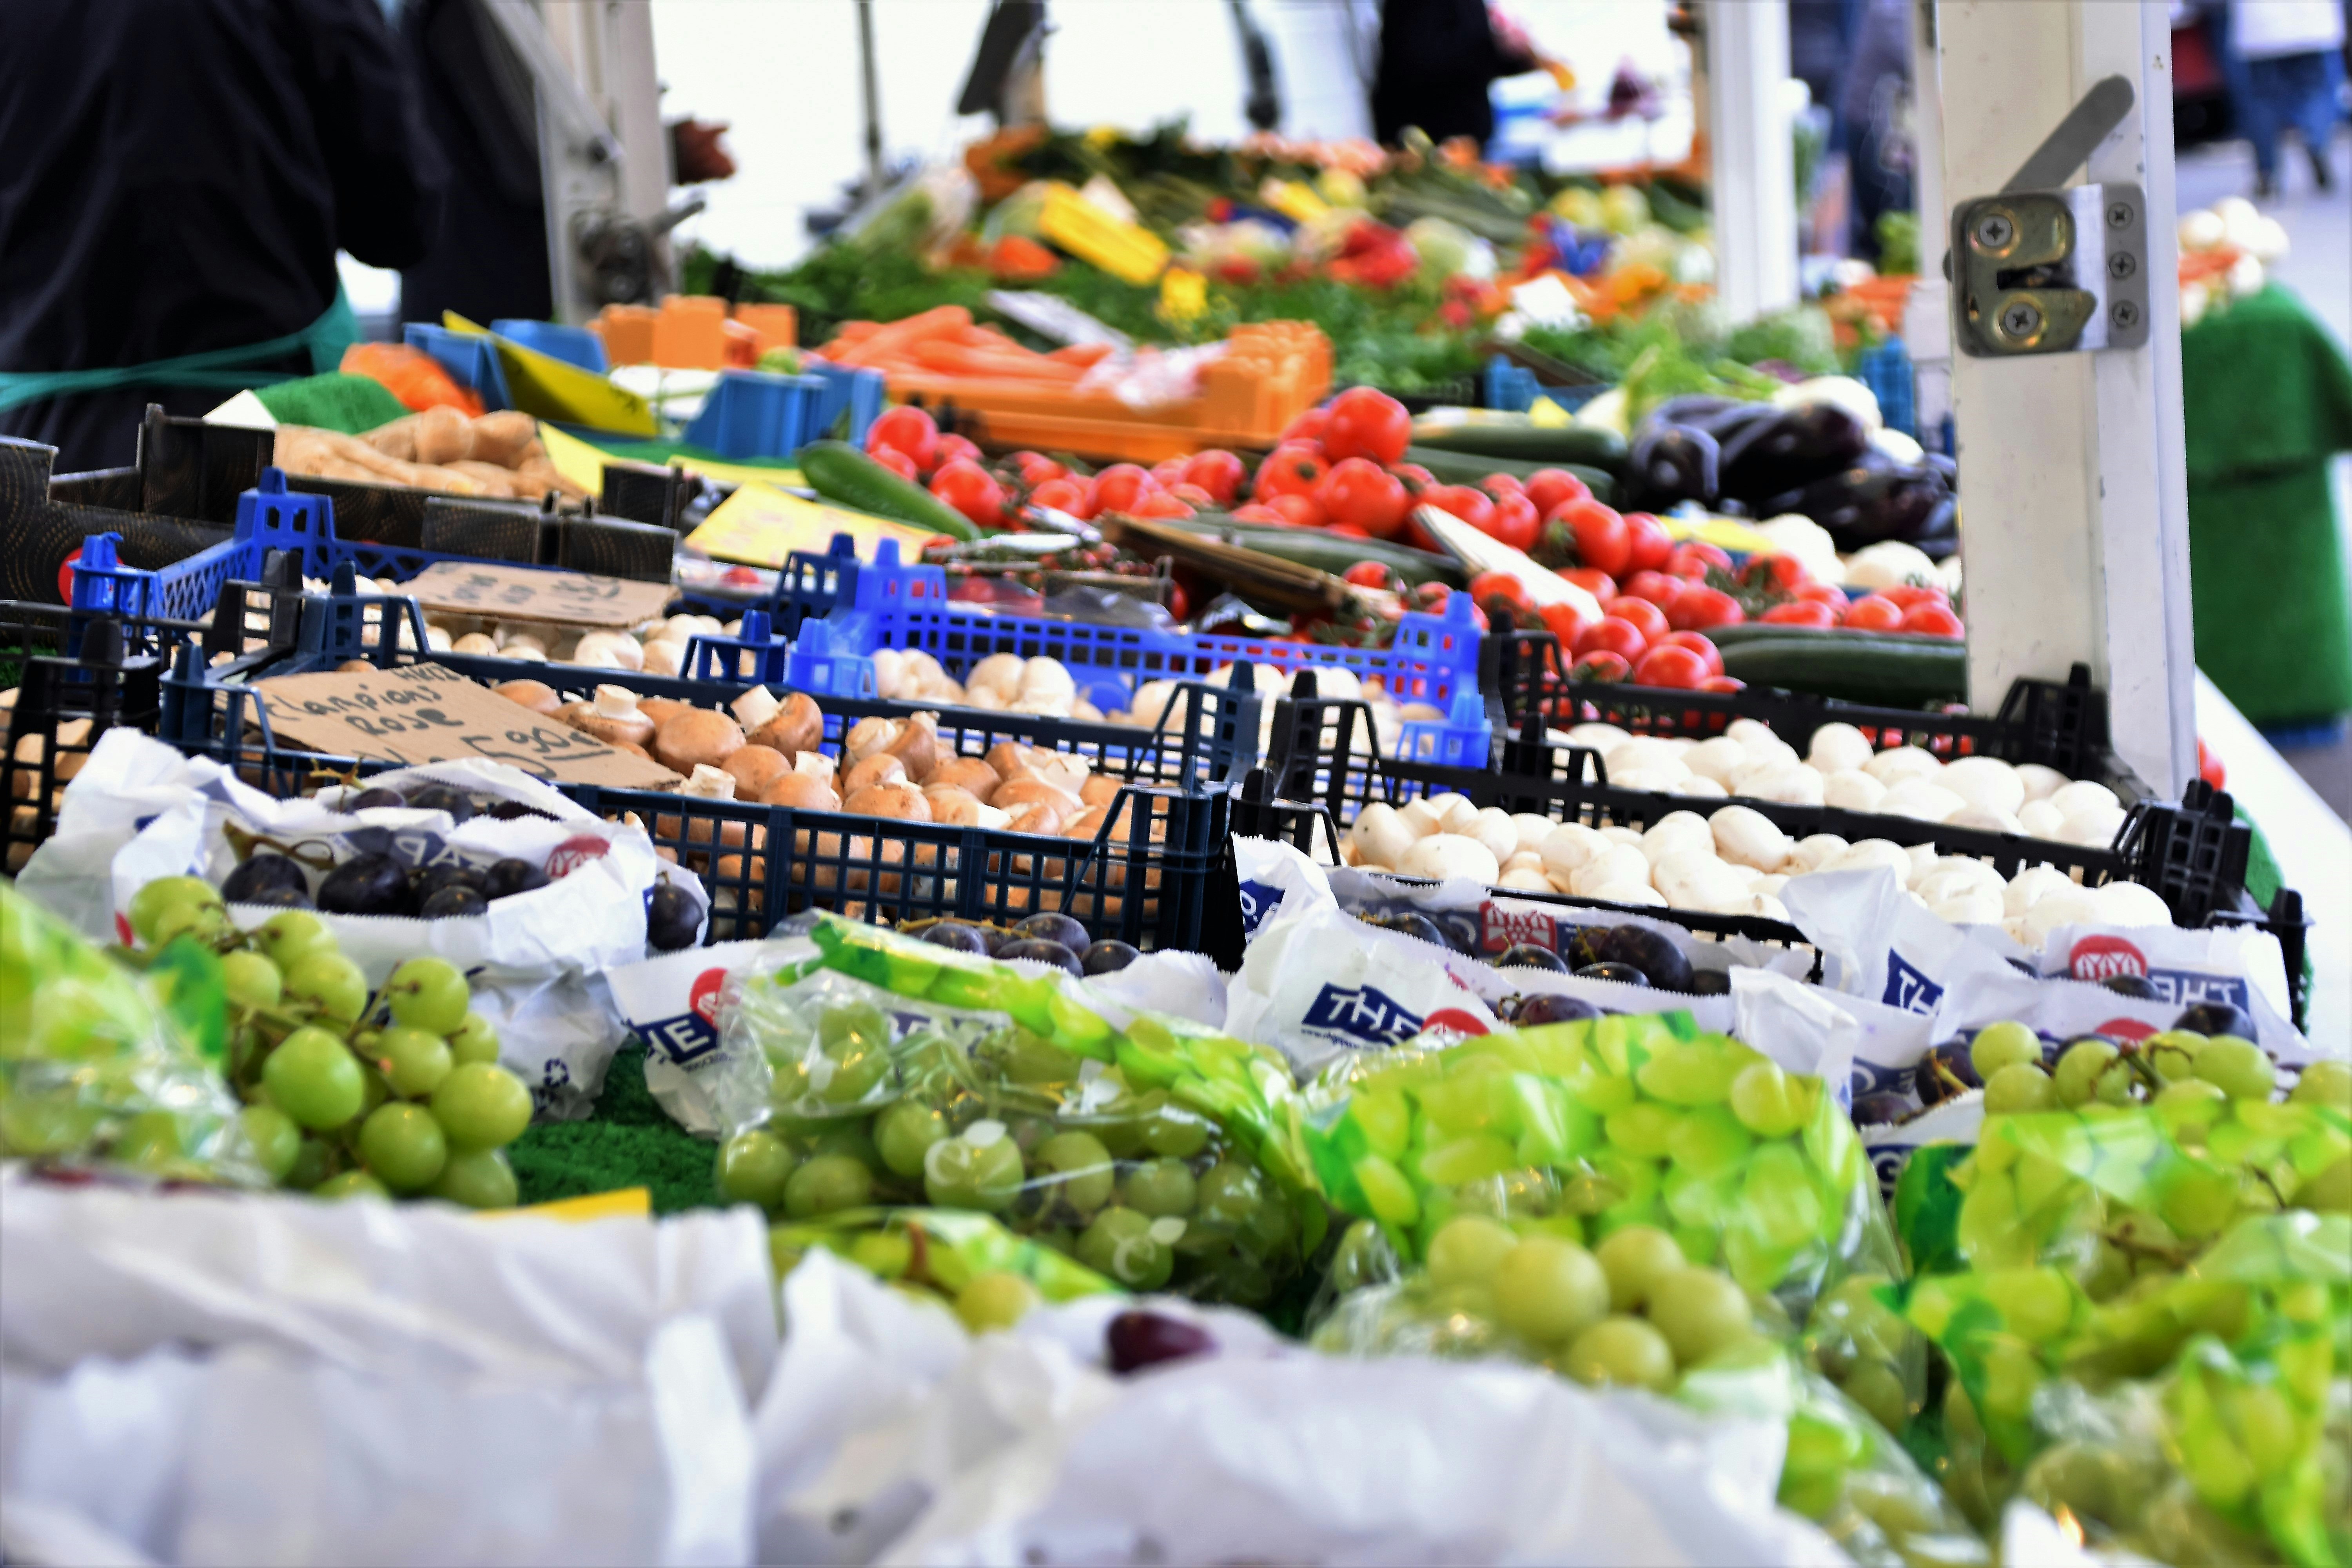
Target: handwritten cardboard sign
{"type": "Point", "coordinates": [524, 594]}
{"type": "Point", "coordinates": [426, 713]}
{"type": "Point", "coordinates": [762, 525]}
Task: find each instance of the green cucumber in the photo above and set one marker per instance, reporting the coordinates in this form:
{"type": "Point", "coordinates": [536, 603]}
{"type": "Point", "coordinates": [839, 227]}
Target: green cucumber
{"type": "Point", "coordinates": [840, 472]}
{"type": "Point", "coordinates": [1856, 667]}
{"type": "Point", "coordinates": [1516, 436]}
{"type": "Point", "coordinates": [1467, 468]}
{"type": "Point", "coordinates": [1331, 553]}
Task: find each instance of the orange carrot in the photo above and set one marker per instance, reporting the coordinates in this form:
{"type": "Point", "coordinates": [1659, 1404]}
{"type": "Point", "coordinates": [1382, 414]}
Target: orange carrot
{"type": "Point", "coordinates": [896, 336]}
{"type": "Point", "coordinates": [1085, 355]}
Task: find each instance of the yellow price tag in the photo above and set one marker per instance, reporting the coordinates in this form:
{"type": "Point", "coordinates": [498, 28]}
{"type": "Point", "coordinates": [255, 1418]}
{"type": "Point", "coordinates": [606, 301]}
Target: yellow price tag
{"type": "Point", "coordinates": [546, 386]}
{"type": "Point", "coordinates": [624, 1202]}
{"type": "Point", "coordinates": [759, 526]}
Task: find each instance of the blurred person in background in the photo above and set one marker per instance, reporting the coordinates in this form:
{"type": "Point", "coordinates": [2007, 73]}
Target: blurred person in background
{"type": "Point", "coordinates": [1437, 59]}
{"type": "Point", "coordinates": [1874, 116]}
{"type": "Point", "coordinates": [177, 177]}
{"type": "Point", "coordinates": [2286, 60]}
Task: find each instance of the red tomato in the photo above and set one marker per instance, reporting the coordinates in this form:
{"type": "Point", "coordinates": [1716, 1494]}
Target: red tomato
{"type": "Point", "coordinates": [1610, 669]}
{"type": "Point", "coordinates": [1714, 555]}
{"type": "Point", "coordinates": [1876, 612]}
{"type": "Point", "coordinates": [1514, 522]}
{"type": "Point", "coordinates": [1359, 493]}
{"type": "Point", "coordinates": [1501, 485]}
{"type": "Point", "coordinates": [1118, 487]}
{"type": "Point", "coordinates": [1603, 541]}
{"type": "Point", "coordinates": [1417, 481]}
{"type": "Point", "coordinates": [1367, 423]}
{"type": "Point", "coordinates": [1257, 511]}
{"type": "Point", "coordinates": [1593, 581]}
{"type": "Point", "coordinates": [2209, 767]}
{"type": "Point", "coordinates": [1472, 507]}
{"type": "Point", "coordinates": [1168, 472]}
{"type": "Point", "coordinates": [1612, 633]}
{"type": "Point", "coordinates": [1800, 613]}
{"type": "Point", "coordinates": [1371, 574]}
{"type": "Point", "coordinates": [895, 460]}
{"type": "Point", "coordinates": [1298, 511]}
{"type": "Point", "coordinates": [1036, 467]}
{"type": "Point", "coordinates": [1933, 620]}
{"type": "Point", "coordinates": [967, 487]}
{"type": "Point", "coordinates": [1655, 586]}
{"type": "Point", "coordinates": [1696, 608]}
{"type": "Point", "coordinates": [1722, 683]}
{"type": "Point", "coordinates": [906, 430]}
{"type": "Point", "coordinates": [1785, 573]}
{"type": "Point", "coordinates": [1651, 619]}
{"type": "Point", "coordinates": [1550, 489]}
{"type": "Point", "coordinates": [1346, 530]}
{"type": "Point", "coordinates": [1706, 650]}
{"type": "Point", "coordinates": [1293, 469]}
{"type": "Point", "coordinates": [1651, 544]}
{"type": "Point", "coordinates": [1180, 604]}
{"type": "Point", "coordinates": [1309, 427]}
{"type": "Point", "coordinates": [1488, 585]}
{"type": "Point", "coordinates": [1562, 621]}
{"type": "Point", "coordinates": [1667, 664]}
{"type": "Point", "coordinates": [1909, 594]}
{"type": "Point", "coordinates": [1159, 503]}
{"type": "Point", "coordinates": [1191, 494]}
{"type": "Point", "coordinates": [1064, 494]}
{"type": "Point", "coordinates": [1217, 471]}
{"type": "Point", "coordinates": [950, 447]}
{"type": "Point", "coordinates": [1828, 593]}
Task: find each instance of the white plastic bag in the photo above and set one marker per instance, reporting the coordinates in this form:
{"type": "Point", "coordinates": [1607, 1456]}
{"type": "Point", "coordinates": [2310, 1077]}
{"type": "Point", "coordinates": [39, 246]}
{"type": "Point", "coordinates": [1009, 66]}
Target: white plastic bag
{"type": "Point", "coordinates": [671, 1003]}
{"type": "Point", "coordinates": [2237, 964]}
{"type": "Point", "coordinates": [1320, 984]}
{"type": "Point", "coordinates": [1881, 944]}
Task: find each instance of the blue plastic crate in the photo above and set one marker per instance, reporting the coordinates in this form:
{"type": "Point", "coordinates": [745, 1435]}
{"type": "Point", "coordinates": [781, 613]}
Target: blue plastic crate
{"type": "Point", "coordinates": [1886, 371]}
{"type": "Point", "coordinates": [471, 359]}
{"type": "Point", "coordinates": [858, 390]}
{"type": "Point", "coordinates": [573, 345]}
{"type": "Point", "coordinates": [754, 414]}
{"type": "Point", "coordinates": [754, 655]}
{"type": "Point", "coordinates": [1513, 389]}
{"type": "Point", "coordinates": [183, 591]}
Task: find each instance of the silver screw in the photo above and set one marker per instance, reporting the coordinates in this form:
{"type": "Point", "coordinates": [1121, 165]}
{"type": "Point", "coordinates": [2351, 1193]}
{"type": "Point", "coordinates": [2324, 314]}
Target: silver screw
{"type": "Point", "coordinates": [1994, 230]}
{"type": "Point", "coordinates": [2021, 320]}
{"type": "Point", "coordinates": [2126, 314]}
{"type": "Point", "coordinates": [2122, 264]}
{"type": "Point", "coordinates": [2119, 216]}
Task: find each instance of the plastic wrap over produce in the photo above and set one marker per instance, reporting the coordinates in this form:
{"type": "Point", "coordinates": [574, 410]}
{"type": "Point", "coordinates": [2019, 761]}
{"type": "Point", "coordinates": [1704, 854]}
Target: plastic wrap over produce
{"type": "Point", "coordinates": [671, 1003]}
{"type": "Point", "coordinates": [2236, 965]}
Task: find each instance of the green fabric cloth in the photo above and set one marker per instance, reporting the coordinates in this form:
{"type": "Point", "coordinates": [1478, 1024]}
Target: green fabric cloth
{"type": "Point", "coordinates": [350, 404]}
{"type": "Point", "coordinates": [2266, 402]}
{"type": "Point", "coordinates": [629, 1141]}
{"type": "Point", "coordinates": [324, 339]}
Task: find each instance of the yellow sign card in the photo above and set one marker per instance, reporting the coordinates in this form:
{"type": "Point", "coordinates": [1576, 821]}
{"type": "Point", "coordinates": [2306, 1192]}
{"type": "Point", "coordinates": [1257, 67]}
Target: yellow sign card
{"type": "Point", "coordinates": [546, 386]}
{"type": "Point", "coordinates": [759, 526]}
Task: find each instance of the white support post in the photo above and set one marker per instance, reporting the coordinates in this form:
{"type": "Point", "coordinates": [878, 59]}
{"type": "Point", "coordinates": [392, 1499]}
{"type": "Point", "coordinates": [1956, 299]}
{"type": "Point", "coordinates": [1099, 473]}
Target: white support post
{"type": "Point", "coordinates": [1927, 312]}
{"type": "Point", "coordinates": [1751, 153]}
{"type": "Point", "coordinates": [2073, 489]}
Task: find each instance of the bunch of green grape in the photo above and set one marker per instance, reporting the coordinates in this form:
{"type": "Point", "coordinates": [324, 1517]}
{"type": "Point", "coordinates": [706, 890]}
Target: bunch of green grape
{"type": "Point", "coordinates": [1598, 1125]}
{"type": "Point", "coordinates": [92, 1065]}
{"type": "Point", "coordinates": [989, 1277]}
{"type": "Point", "coordinates": [350, 1091]}
{"type": "Point", "coordinates": [1136, 1186]}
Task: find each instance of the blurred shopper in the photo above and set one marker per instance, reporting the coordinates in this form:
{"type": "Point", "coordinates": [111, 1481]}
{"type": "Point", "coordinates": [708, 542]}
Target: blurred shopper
{"type": "Point", "coordinates": [2292, 58]}
{"type": "Point", "coordinates": [487, 259]}
{"type": "Point", "coordinates": [176, 178]}
{"type": "Point", "coordinates": [1874, 115]}
{"type": "Point", "coordinates": [1437, 59]}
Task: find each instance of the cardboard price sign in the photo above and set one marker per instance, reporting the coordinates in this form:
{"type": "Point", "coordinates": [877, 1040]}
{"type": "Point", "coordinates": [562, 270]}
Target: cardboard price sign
{"type": "Point", "coordinates": [425, 713]}
{"type": "Point", "coordinates": [522, 593]}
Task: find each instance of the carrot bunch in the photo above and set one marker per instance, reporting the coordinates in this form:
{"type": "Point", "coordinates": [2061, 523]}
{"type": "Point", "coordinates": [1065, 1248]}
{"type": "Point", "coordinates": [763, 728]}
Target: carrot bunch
{"type": "Point", "coordinates": [946, 341]}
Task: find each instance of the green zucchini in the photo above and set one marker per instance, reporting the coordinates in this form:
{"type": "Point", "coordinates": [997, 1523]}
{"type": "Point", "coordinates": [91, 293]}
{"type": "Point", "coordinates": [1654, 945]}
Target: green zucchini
{"type": "Point", "coordinates": [1469, 468]}
{"type": "Point", "coordinates": [1331, 553]}
{"type": "Point", "coordinates": [1857, 667]}
{"type": "Point", "coordinates": [840, 472]}
{"type": "Point", "coordinates": [1517, 437]}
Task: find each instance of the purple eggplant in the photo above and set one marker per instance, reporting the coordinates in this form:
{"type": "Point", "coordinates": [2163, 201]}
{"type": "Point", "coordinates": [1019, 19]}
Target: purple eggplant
{"type": "Point", "coordinates": [1669, 464]}
{"type": "Point", "coordinates": [1791, 451]}
{"type": "Point", "coordinates": [1863, 505]}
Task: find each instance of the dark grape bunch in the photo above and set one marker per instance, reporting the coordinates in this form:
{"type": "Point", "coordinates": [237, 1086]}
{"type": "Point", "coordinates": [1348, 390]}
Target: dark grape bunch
{"type": "Point", "coordinates": [1054, 938]}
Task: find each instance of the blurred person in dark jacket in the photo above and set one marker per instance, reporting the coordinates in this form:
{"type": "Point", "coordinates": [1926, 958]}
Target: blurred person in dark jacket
{"type": "Point", "coordinates": [1437, 59]}
{"type": "Point", "coordinates": [175, 179]}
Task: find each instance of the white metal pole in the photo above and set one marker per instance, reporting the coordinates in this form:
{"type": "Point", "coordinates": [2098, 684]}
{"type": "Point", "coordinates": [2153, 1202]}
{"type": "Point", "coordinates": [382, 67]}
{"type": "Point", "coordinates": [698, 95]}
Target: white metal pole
{"type": "Point", "coordinates": [1751, 153]}
{"type": "Point", "coordinates": [2074, 491]}
{"type": "Point", "coordinates": [1927, 312]}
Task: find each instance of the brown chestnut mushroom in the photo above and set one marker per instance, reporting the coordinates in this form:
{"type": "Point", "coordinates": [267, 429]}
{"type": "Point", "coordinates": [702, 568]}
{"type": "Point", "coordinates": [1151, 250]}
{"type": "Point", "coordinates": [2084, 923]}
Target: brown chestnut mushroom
{"type": "Point", "coordinates": [695, 737]}
{"type": "Point", "coordinates": [901, 800]}
{"type": "Point", "coordinates": [801, 792]}
{"type": "Point", "coordinates": [536, 695]}
{"type": "Point", "coordinates": [660, 708]}
{"type": "Point", "coordinates": [755, 768]}
{"type": "Point", "coordinates": [1028, 789]}
{"type": "Point", "coordinates": [880, 768]}
{"type": "Point", "coordinates": [1099, 789]}
{"type": "Point", "coordinates": [917, 744]}
{"type": "Point", "coordinates": [797, 726]}
{"type": "Point", "coordinates": [970, 774]}
{"type": "Point", "coordinates": [613, 718]}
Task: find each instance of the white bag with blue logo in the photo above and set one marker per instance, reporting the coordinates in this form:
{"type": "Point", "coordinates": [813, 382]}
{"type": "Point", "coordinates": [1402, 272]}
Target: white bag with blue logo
{"type": "Point", "coordinates": [2240, 965]}
{"type": "Point", "coordinates": [1881, 944]}
{"type": "Point", "coordinates": [1319, 984]}
{"type": "Point", "coordinates": [671, 1003]}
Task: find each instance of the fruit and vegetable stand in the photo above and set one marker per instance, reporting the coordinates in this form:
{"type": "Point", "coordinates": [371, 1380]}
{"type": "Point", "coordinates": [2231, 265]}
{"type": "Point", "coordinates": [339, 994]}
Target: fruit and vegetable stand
{"type": "Point", "coordinates": [992, 951]}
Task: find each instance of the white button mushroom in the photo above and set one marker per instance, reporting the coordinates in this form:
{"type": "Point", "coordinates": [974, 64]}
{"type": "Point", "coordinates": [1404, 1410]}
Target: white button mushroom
{"type": "Point", "coordinates": [2129, 904]}
{"type": "Point", "coordinates": [1986, 782]}
{"type": "Point", "coordinates": [1568, 846]}
{"type": "Point", "coordinates": [1422, 817]}
{"type": "Point", "coordinates": [1976, 818]}
{"type": "Point", "coordinates": [1676, 832]}
{"type": "Point", "coordinates": [1839, 747]}
{"type": "Point", "coordinates": [1892, 766]}
{"type": "Point", "coordinates": [1449, 855]}
{"type": "Point", "coordinates": [2096, 825]}
{"type": "Point", "coordinates": [1601, 738]}
{"type": "Point", "coordinates": [1617, 833]}
{"type": "Point", "coordinates": [1864, 853]}
{"type": "Point", "coordinates": [1532, 829]}
{"type": "Point", "coordinates": [1455, 812]}
{"type": "Point", "coordinates": [1494, 828]}
{"type": "Point", "coordinates": [2047, 915]}
{"type": "Point", "coordinates": [1807, 853]}
{"type": "Point", "coordinates": [1969, 907]}
{"type": "Point", "coordinates": [2040, 819]}
{"type": "Point", "coordinates": [2039, 782]}
{"type": "Point", "coordinates": [1667, 777]}
{"type": "Point", "coordinates": [1769, 907]}
{"type": "Point", "coordinates": [1525, 877]}
{"type": "Point", "coordinates": [1745, 836]}
{"type": "Point", "coordinates": [1703, 789]}
{"type": "Point", "coordinates": [1641, 752]}
{"type": "Point", "coordinates": [2033, 884]}
{"type": "Point", "coordinates": [2072, 799]}
{"type": "Point", "coordinates": [1618, 863]}
{"type": "Point", "coordinates": [1923, 860]}
{"type": "Point", "coordinates": [1768, 885]}
{"type": "Point", "coordinates": [1379, 836]}
{"type": "Point", "coordinates": [1697, 879]}
{"type": "Point", "coordinates": [1920, 799]}
{"type": "Point", "coordinates": [1851, 789]}
{"type": "Point", "coordinates": [1716, 759]}
{"type": "Point", "coordinates": [1788, 782]}
{"type": "Point", "coordinates": [1750, 731]}
{"type": "Point", "coordinates": [1639, 894]}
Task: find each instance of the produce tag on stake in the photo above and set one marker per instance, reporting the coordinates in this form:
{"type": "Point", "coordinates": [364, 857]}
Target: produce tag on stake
{"type": "Point", "coordinates": [426, 713]}
{"type": "Point", "coordinates": [524, 594]}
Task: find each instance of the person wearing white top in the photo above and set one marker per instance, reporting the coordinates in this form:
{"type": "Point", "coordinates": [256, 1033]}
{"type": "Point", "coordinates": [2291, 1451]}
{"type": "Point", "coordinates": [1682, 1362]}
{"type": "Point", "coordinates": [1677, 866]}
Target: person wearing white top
{"type": "Point", "coordinates": [2293, 71]}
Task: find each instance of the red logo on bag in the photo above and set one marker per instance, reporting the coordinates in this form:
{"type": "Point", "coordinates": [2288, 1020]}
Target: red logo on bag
{"type": "Point", "coordinates": [573, 853]}
{"type": "Point", "coordinates": [703, 1000]}
{"type": "Point", "coordinates": [2098, 958]}
{"type": "Point", "coordinates": [1454, 1020]}
{"type": "Point", "coordinates": [1499, 928]}
{"type": "Point", "coordinates": [123, 935]}
{"type": "Point", "coordinates": [2125, 1029]}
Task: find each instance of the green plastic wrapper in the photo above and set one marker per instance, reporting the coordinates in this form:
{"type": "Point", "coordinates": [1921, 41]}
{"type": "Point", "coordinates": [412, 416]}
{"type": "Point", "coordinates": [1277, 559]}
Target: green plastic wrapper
{"type": "Point", "coordinates": [101, 1062]}
{"type": "Point", "coordinates": [937, 1251]}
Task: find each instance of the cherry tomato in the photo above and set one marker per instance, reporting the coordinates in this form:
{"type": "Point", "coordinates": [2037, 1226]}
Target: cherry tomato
{"type": "Point", "coordinates": [1785, 573]}
{"type": "Point", "coordinates": [1417, 481]}
{"type": "Point", "coordinates": [1698, 608]}
{"type": "Point", "coordinates": [1371, 574]}
{"type": "Point", "coordinates": [967, 487]}
{"type": "Point", "coordinates": [1723, 683]}
{"type": "Point", "coordinates": [1667, 664]}
{"type": "Point", "coordinates": [906, 430]}
{"type": "Point", "coordinates": [1550, 489]}
{"type": "Point", "coordinates": [1650, 545]}
{"type": "Point", "coordinates": [1707, 652]}
{"type": "Point", "coordinates": [1877, 613]}
{"type": "Point", "coordinates": [1909, 594]}
{"type": "Point", "coordinates": [1603, 541]}
{"type": "Point", "coordinates": [1293, 469]}
{"type": "Point", "coordinates": [1062, 494]}
{"type": "Point", "coordinates": [1933, 620]}
{"type": "Point", "coordinates": [1191, 494]}
{"type": "Point", "coordinates": [950, 447]}
{"type": "Point", "coordinates": [1488, 585]}
{"type": "Point", "coordinates": [1514, 522]}
{"type": "Point", "coordinates": [1036, 467]}
{"type": "Point", "coordinates": [1309, 427]}
{"type": "Point", "coordinates": [1257, 511]}
{"type": "Point", "coordinates": [1180, 604]}
{"type": "Point", "coordinates": [1562, 621]}
{"type": "Point", "coordinates": [1365, 423]}
{"type": "Point", "coordinates": [1159, 503]}
{"type": "Point", "coordinates": [1610, 669]}
{"type": "Point", "coordinates": [1655, 586]}
{"type": "Point", "coordinates": [1217, 471]}
{"type": "Point", "coordinates": [1593, 581]}
{"type": "Point", "coordinates": [1359, 493]}
{"type": "Point", "coordinates": [1118, 487]}
{"type": "Point", "coordinates": [1298, 511]}
{"type": "Point", "coordinates": [1472, 507]}
{"type": "Point", "coordinates": [1612, 633]}
{"type": "Point", "coordinates": [1641, 613]}
{"type": "Point", "coordinates": [2209, 767]}
{"type": "Point", "coordinates": [1828, 593]}
{"type": "Point", "coordinates": [895, 460]}
{"type": "Point", "coordinates": [1800, 613]}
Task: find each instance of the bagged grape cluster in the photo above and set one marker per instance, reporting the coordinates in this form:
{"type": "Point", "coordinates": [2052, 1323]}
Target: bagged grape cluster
{"type": "Point", "coordinates": [346, 1090]}
{"type": "Point", "coordinates": [989, 1276]}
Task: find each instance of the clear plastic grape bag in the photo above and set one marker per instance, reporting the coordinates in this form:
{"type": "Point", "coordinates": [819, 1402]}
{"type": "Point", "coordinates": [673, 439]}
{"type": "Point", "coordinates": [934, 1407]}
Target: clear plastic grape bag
{"type": "Point", "coordinates": [935, 1254]}
{"type": "Point", "coordinates": [100, 1062]}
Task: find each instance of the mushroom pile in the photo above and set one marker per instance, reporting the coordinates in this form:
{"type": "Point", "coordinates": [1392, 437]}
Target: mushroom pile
{"type": "Point", "coordinates": [24, 776]}
{"type": "Point", "coordinates": [1332, 682]}
{"type": "Point", "coordinates": [1964, 891]}
{"type": "Point", "coordinates": [1840, 768]}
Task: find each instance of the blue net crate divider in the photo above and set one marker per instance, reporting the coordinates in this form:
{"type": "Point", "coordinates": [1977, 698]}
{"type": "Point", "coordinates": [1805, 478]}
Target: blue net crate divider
{"type": "Point", "coordinates": [819, 667]}
{"type": "Point", "coordinates": [813, 582]}
{"type": "Point", "coordinates": [1886, 371]}
{"type": "Point", "coordinates": [102, 586]}
{"type": "Point", "coordinates": [754, 654]}
{"type": "Point", "coordinates": [858, 390]}
{"type": "Point", "coordinates": [471, 359]}
{"type": "Point", "coordinates": [1463, 738]}
{"type": "Point", "coordinates": [573, 345]}
{"type": "Point", "coordinates": [271, 517]}
{"type": "Point", "coordinates": [752, 414]}
{"type": "Point", "coordinates": [335, 627]}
